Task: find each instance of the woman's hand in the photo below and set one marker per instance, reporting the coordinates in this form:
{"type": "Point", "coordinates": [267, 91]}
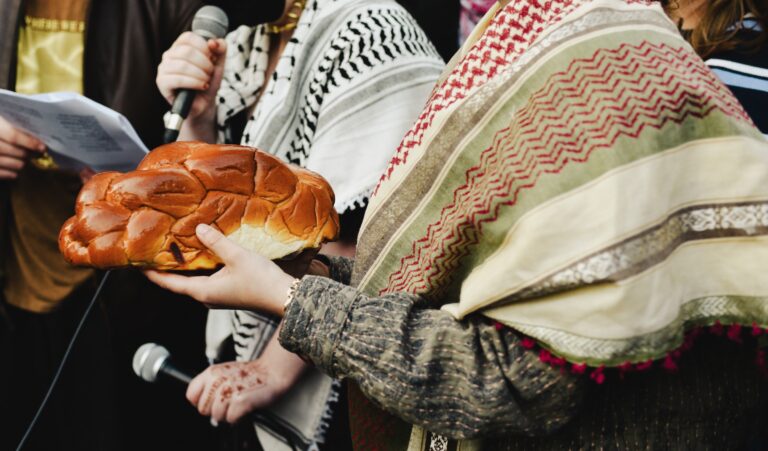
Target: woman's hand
{"type": "Point", "coordinates": [197, 64]}
{"type": "Point", "coordinates": [248, 281]}
{"type": "Point", "coordinates": [229, 391]}
{"type": "Point", "coordinates": [16, 147]}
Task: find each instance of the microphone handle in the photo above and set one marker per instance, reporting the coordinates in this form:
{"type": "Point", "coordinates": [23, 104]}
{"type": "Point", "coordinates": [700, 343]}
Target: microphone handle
{"type": "Point", "coordinates": [170, 136]}
{"type": "Point", "coordinates": [179, 111]}
{"type": "Point", "coordinates": [175, 373]}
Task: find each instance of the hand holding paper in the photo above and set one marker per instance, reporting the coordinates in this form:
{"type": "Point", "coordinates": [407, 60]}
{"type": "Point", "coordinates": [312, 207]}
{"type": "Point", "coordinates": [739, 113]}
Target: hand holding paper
{"type": "Point", "coordinates": [15, 149]}
{"type": "Point", "coordinates": [78, 132]}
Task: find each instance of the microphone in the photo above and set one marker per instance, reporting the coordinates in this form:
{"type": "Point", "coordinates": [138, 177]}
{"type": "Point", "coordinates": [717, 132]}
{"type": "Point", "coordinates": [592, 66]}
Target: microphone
{"type": "Point", "coordinates": [151, 360]}
{"type": "Point", "coordinates": [210, 22]}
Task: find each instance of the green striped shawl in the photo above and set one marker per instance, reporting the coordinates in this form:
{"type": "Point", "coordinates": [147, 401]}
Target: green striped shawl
{"type": "Point", "coordinates": [596, 188]}
{"type": "Point", "coordinates": [581, 176]}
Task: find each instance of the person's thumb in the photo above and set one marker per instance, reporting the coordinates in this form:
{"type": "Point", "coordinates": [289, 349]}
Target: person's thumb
{"type": "Point", "coordinates": [214, 240]}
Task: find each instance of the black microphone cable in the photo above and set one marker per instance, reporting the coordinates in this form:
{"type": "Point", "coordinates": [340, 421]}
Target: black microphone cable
{"type": "Point", "coordinates": [63, 362]}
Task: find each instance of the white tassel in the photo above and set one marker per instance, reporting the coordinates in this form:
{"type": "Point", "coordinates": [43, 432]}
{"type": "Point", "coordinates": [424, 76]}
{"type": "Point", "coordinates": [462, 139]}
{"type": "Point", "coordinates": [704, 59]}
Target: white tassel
{"type": "Point", "coordinates": [358, 201]}
{"type": "Point", "coordinates": [325, 419]}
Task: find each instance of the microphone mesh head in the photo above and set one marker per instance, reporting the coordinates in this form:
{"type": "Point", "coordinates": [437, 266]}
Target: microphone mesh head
{"type": "Point", "coordinates": [148, 360]}
{"type": "Point", "coordinates": [210, 22]}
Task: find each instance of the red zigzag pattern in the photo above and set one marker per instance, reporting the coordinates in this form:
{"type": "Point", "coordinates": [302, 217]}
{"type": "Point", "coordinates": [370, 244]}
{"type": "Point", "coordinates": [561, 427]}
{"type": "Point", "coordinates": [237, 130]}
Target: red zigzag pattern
{"type": "Point", "coordinates": [510, 33]}
{"type": "Point", "coordinates": [586, 107]}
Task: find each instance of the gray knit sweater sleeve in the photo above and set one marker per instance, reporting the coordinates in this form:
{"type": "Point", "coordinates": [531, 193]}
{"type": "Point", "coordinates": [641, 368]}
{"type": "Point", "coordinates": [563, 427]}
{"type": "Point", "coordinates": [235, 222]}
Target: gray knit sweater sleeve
{"type": "Point", "coordinates": [461, 379]}
{"type": "Point", "coordinates": [341, 269]}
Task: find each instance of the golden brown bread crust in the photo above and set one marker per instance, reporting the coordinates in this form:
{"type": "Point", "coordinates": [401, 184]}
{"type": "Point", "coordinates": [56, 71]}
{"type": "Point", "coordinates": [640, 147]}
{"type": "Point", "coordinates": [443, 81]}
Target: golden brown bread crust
{"type": "Point", "coordinates": [147, 217]}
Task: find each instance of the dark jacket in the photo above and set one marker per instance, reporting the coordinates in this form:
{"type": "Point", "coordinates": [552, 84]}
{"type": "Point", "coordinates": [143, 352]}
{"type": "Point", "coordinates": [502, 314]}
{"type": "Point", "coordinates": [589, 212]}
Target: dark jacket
{"type": "Point", "coordinates": [124, 43]}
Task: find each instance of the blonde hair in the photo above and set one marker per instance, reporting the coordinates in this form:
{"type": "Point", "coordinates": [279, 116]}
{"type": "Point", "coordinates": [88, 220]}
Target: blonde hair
{"type": "Point", "coordinates": [718, 29]}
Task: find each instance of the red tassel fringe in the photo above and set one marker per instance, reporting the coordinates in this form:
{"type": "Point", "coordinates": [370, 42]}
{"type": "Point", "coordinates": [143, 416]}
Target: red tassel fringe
{"type": "Point", "coordinates": [669, 363]}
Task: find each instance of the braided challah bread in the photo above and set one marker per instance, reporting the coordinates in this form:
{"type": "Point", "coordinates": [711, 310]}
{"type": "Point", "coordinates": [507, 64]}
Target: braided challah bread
{"type": "Point", "coordinates": [147, 217]}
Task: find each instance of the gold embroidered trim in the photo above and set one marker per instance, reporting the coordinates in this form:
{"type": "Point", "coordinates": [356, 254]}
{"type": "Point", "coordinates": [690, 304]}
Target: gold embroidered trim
{"type": "Point", "coordinates": [43, 24]}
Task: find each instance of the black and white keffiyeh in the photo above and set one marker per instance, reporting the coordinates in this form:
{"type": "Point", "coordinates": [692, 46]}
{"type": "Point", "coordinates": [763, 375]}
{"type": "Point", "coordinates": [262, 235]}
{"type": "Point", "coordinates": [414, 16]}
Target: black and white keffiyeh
{"type": "Point", "coordinates": [347, 87]}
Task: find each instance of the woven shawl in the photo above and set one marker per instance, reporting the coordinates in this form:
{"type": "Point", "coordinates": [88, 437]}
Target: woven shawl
{"type": "Point", "coordinates": [349, 83]}
{"type": "Point", "coordinates": [581, 176]}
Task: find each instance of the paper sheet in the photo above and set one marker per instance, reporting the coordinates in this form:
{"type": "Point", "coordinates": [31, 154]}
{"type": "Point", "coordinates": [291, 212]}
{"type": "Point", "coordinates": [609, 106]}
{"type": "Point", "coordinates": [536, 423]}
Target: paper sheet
{"type": "Point", "coordinates": [78, 131]}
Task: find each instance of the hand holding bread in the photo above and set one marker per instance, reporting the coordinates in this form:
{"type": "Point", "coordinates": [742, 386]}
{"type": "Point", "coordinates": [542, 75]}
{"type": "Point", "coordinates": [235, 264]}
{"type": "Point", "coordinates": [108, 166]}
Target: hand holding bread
{"type": "Point", "coordinates": [147, 218]}
{"type": "Point", "coordinates": [248, 281]}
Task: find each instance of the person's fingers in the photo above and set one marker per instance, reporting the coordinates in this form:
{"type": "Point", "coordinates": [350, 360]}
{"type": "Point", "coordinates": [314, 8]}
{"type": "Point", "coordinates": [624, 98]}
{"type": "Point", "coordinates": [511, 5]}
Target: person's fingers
{"type": "Point", "coordinates": [202, 61]}
{"type": "Point", "coordinates": [11, 164]}
{"type": "Point", "coordinates": [221, 401]}
{"type": "Point", "coordinates": [218, 75]}
{"type": "Point", "coordinates": [191, 39]}
{"type": "Point", "coordinates": [165, 90]}
{"type": "Point", "coordinates": [184, 67]}
{"type": "Point", "coordinates": [206, 400]}
{"type": "Point", "coordinates": [18, 138]}
{"type": "Point", "coordinates": [219, 59]}
{"type": "Point", "coordinates": [8, 175]}
{"type": "Point", "coordinates": [214, 240]}
{"type": "Point", "coordinates": [238, 408]}
{"type": "Point", "coordinates": [196, 287]}
{"type": "Point", "coordinates": [246, 402]}
{"type": "Point", "coordinates": [195, 388]}
{"type": "Point", "coordinates": [218, 48]}
{"type": "Point", "coordinates": [318, 268]}
{"type": "Point", "coordinates": [168, 84]}
{"type": "Point", "coordinates": [205, 404]}
{"type": "Point", "coordinates": [213, 47]}
{"type": "Point", "coordinates": [10, 150]}
{"type": "Point", "coordinates": [180, 69]}
{"type": "Point", "coordinates": [199, 57]}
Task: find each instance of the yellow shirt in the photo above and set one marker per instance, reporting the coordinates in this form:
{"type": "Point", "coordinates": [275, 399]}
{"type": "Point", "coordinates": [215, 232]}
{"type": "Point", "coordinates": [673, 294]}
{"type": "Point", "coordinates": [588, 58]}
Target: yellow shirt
{"type": "Point", "coordinates": [50, 58]}
{"type": "Point", "coordinates": [51, 45]}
